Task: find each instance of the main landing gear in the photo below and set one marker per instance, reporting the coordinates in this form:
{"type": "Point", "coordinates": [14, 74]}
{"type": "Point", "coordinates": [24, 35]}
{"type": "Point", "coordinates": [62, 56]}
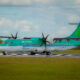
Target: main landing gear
{"type": "Point", "coordinates": [42, 53]}
{"type": "Point", "coordinates": [46, 52]}
{"type": "Point", "coordinates": [32, 53]}
{"type": "Point", "coordinates": [4, 53]}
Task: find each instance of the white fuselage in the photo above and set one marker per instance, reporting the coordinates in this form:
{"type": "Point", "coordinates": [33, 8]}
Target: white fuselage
{"type": "Point", "coordinates": [38, 49]}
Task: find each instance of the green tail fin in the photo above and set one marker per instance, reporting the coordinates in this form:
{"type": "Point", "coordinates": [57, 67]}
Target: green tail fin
{"type": "Point", "coordinates": [76, 33]}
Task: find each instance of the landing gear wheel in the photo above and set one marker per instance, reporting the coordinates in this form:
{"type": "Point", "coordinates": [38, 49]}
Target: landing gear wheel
{"type": "Point", "coordinates": [4, 53]}
{"type": "Point", "coordinates": [32, 53]}
{"type": "Point", "coordinates": [46, 52]}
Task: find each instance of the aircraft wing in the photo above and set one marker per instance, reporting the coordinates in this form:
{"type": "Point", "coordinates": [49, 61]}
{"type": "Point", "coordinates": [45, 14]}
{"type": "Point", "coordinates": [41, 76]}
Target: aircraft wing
{"type": "Point", "coordinates": [5, 37]}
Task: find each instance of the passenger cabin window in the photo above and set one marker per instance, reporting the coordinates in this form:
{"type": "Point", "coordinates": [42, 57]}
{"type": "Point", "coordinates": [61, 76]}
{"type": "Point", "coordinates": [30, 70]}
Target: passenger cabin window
{"type": "Point", "coordinates": [8, 42]}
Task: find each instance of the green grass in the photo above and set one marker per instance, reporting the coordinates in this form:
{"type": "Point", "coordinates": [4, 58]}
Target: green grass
{"type": "Point", "coordinates": [24, 68]}
{"type": "Point", "coordinates": [75, 50]}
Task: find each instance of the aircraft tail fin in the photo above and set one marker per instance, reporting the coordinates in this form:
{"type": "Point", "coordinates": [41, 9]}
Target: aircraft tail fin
{"type": "Point", "coordinates": [76, 33]}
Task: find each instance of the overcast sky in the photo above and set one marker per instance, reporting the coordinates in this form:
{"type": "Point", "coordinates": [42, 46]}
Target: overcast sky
{"type": "Point", "coordinates": [32, 17]}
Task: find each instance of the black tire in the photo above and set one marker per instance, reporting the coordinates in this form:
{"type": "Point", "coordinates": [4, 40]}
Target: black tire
{"type": "Point", "coordinates": [32, 53]}
{"type": "Point", "coordinates": [4, 53]}
{"type": "Point", "coordinates": [46, 52]}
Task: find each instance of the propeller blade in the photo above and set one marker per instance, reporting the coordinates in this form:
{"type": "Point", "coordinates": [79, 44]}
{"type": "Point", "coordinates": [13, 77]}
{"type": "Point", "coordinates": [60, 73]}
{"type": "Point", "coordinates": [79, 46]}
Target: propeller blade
{"type": "Point", "coordinates": [47, 36]}
{"type": "Point", "coordinates": [12, 36]}
{"type": "Point", "coordinates": [16, 35]}
{"type": "Point", "coordinates": [48, 42]}
{"type": "Point", "coordinates": [43, 35]}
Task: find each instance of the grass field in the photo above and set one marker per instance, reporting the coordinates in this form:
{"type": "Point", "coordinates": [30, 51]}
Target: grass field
{"type": "Point", "coordinates": [24, 68]}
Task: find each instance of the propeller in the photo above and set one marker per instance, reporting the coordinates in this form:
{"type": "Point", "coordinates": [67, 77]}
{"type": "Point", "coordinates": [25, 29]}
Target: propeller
{"type": "Point", "coordinates": [14, 37]}
{"type": "Point", "coordinates": [11, 37]}
{"type": "Point", "coordinates": [45, 41]}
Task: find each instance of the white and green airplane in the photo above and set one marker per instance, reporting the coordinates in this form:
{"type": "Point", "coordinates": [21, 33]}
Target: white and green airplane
{"type": "Point", "coordinates": [39, 44]}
